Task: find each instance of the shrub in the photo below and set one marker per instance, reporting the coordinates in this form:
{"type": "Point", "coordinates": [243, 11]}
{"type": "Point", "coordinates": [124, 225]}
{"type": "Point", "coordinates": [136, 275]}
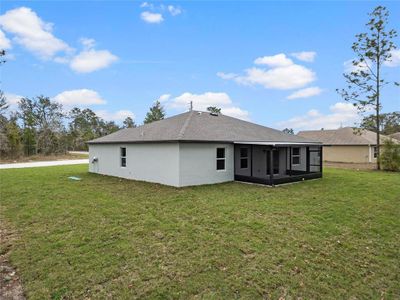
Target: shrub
{"type": "Point", "coordinates": [390, 157]}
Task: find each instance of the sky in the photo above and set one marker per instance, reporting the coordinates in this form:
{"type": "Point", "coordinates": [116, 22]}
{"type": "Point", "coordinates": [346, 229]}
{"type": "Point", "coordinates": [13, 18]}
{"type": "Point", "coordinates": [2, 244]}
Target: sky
{"type": "Point", "coordinates": [273, 63]}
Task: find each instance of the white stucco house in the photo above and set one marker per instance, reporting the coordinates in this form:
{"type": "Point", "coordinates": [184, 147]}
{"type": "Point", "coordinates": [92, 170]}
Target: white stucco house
{"type": "Point", "coordinates": [197, 148]}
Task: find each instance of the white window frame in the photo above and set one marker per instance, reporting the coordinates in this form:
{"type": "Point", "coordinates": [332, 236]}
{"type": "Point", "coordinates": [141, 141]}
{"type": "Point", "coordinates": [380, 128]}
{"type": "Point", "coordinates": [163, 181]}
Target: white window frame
{"type": "Point", "coordinates": [217, 159]}
{"type": "Point", "coordinates": [243, 157]}
{"type": "Point", "coordinates": [122, 157]}
{"type": "Point", "coordinates": [296, 155]}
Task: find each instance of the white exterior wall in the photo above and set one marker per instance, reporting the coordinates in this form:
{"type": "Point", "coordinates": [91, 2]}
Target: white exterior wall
{"type": "Point", "coordinates": [152, 162]}
{"type": "Point", "coordinates": [176, 164]}
{"type": "Point", "coordinates": [198, 163]}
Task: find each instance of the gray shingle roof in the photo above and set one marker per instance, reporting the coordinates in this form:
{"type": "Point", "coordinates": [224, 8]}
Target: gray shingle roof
{"type": "Point", "coordinates": [395, 136]}
{"type": "Point", "coordinates": [200, 126]}
{"type": "Point", "coordinates": [342, 136]}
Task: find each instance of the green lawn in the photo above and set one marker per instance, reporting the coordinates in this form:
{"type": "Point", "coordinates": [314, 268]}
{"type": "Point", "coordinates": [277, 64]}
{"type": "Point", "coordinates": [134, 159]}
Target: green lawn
{"type": "Point", "coordinates": [103, 237]}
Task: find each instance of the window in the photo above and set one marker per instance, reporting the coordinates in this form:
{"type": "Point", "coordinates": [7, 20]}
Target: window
{"type": "Point", "coordinates": [220, 158]}
{"type": "Point", "coordinates": [123, 157]}
{"type": "Point", "coordinates": [375, 152]}
{"type": "Point", "coordinates": [244, 158]}
{"type": "Point", "coordinates": [296, 156]}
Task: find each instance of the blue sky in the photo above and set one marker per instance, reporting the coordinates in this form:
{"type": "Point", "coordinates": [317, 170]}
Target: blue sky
{"type": "Point", "coordinates": [274, 63]}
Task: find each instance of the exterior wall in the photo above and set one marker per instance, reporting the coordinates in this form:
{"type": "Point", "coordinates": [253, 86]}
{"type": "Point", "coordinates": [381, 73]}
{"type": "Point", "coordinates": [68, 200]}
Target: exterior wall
{"type": "Point", "coordinates": [238, 170]}
{"type": "Point", "coordinates": [198, 164]}
{"type": "Point", "coordinates": [153, 162]}
{"type": "Point", "coordinates": [349, 154]}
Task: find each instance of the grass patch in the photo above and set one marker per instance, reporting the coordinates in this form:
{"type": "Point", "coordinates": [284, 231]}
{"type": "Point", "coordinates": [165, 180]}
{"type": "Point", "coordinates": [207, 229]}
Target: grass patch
{"type": "Point", "coordinates": [105, 237]}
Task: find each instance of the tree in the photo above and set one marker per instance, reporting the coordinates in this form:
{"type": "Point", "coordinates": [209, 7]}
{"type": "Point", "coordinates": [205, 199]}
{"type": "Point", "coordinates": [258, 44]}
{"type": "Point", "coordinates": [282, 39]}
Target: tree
{"type": "Point", "coordinates": [288, 130]}
{"type": "Point", "coordinates": [390, 158]}
{"type": "Point", "coordinates": [129, 123]}
{"type": "Point", "coordinates": [49, 122]}
{"type": "Point", "coordinates": [107, 127]}
{"type": "Point", "coordinates": [365, 81]}
{"type": "Point", "coordinates": [389, 123]}
{"type": "Point", "coordinates": [4, 149]}
{"type": "Point", "coordinates": [84, 126]}
{"type": "Point", "coordinates": [26, 113]}
{"type": "Point", "coordinates": [13, 133]}
{"type": "Point", "coordinates": [155, 113]}
{"type": "Point", "coordinates": [214, 109]}
{"type": "Point", "coordinates": [3, 104]}
{"type": "Point", "coordinates": [2, 54]}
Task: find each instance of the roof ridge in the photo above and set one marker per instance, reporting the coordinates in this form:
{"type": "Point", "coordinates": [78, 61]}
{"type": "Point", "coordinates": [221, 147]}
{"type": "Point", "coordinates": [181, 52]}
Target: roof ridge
{"type": "Point", "coordinates": [185, 125]}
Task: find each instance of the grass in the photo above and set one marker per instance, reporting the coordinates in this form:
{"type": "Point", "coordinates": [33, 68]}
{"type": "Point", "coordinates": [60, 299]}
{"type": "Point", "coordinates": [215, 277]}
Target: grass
{"type": "Point", "coordinates": [105, 237]}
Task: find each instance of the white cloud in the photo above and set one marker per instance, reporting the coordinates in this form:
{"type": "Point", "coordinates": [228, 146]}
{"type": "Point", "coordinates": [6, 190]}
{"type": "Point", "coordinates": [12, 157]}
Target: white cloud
{"type": "Point", "coordinates": [307, 56]}
{"type": "Point", "coordinates": [173, 10]}
{"type": "Point", "coordinates": [202, 101]}
{"type": "Point", "coordinates": [146, 4]}
{"type": "Point", "coordinates": [32, 32]}
{"type": "Point", "coordinates": [279, 60]}
{"type": "Point", "coordinates": [79, 97]}
{"type": "Point", "coordinates": [88, 43]}
{"type": "Point", "coordinates": [36, 36]}
{"type": "Point", "coordinates": [90, 60]}
{"type": "Point", "coordinates": [12, 100]}
{"type": "Point", "coordinates": [394, 60]}
{"type": "Point", "coordinates": [164, 98]}
{"type": "Point", "coordinates": [149, 17]}
{"type": "Point", "coordinates": [5, 43]}
{"type": "Point", "coordinates": [305, 93]}
{"type": "Point", "coordinates": [341, 114]}
{"type": "Point", "coordinates": [117, 116]}
{"type": "Point", "coordinates": [281, 78]}
{"type": "Point", "coordinates": [283, 74]}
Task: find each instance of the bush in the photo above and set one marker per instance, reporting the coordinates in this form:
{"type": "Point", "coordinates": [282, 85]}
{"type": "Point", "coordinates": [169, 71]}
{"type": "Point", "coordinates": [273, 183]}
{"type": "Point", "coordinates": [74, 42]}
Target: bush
{"type": "Point", "coordinates": [390, 157]}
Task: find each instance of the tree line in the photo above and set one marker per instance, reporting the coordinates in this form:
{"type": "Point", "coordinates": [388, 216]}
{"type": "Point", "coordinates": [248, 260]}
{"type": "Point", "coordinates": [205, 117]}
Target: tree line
{"type": "Point", "coordinates": [39, 125]}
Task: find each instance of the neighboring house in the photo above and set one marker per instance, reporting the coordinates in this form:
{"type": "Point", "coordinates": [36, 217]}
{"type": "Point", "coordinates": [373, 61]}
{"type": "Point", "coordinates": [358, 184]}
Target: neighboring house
{"type": "Point", "coordinates": [196, 148]}
{"type": "Point", "coordinates": [395, 136]}
{"type": "Point", "coordinates": [344, 145]}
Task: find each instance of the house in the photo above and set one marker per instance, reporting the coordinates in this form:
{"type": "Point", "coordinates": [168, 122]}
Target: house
{"type": "Point", "coordinates": [346, 145]}
{"type": "Point", "coordinates": [195, 148]}
{"type": "Point", "coordinates": [395, 136]}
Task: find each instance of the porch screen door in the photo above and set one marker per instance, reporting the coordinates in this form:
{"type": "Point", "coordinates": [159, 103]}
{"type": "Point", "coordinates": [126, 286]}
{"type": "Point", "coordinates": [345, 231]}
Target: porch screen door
{"type": "Point", "coordinates": [275, 161]}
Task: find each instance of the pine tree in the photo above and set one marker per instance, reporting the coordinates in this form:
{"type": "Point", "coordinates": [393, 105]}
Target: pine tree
{"type": "Point", "coordinates": [364, 82]}
{"type": "Point", "coordinates": [214, 109]}
{"type": "Point", "coordinates": [155, 113]}
{"type": "Point", "coordinates": [129, 123]}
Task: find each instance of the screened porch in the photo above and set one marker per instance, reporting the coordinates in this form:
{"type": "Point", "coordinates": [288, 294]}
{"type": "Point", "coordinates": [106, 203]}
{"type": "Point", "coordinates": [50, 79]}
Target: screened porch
{"type": "Point", "coordinates": [274, 163]}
